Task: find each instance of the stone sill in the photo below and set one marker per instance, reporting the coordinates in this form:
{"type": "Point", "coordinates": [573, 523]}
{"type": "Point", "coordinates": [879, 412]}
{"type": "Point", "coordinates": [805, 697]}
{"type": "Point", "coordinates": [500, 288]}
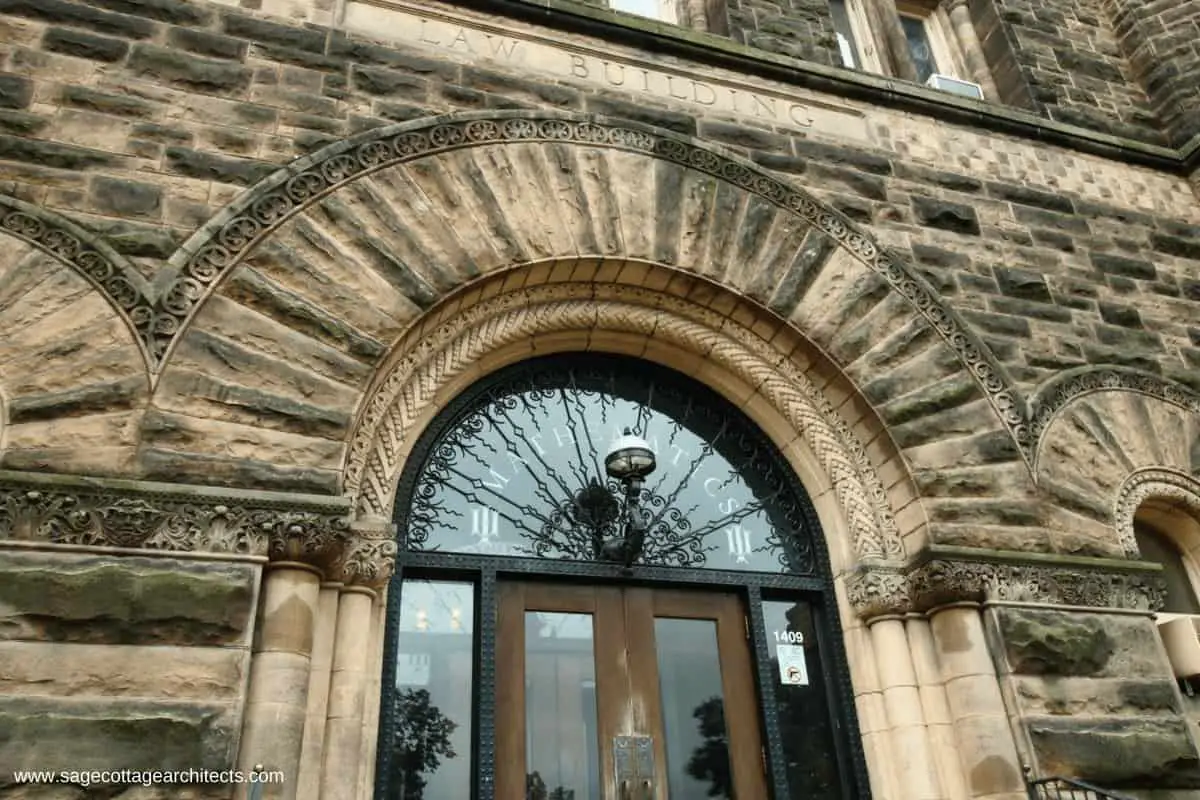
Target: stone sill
{"type": "Point", "coordinates": [705, 48]}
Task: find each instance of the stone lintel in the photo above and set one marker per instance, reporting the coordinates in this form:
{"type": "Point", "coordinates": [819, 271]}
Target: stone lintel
{"type": "Point", "coordinates": [941, 575]}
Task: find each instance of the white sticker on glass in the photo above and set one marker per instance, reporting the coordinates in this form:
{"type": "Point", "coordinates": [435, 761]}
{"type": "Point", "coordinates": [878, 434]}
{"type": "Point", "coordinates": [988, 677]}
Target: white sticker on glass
{"type": "Point", "coordinates": [793, 669]}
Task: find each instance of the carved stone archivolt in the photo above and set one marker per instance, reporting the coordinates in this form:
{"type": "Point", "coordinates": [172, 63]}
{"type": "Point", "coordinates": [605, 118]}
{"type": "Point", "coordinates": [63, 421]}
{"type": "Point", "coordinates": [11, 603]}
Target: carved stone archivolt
{"type": "Point", "coordinates": [65, 510]}
{"type": "Point", "coordinates": [1056, 395]}
{"type": "Point", "coordinates": [112, 275]}
{"type": "Point", "coordinates": [949, 577]}
{"type": "Point", "coordinates": [435, 357]}
{"type": "Point", "coordinates": [213, 251]}
{"type": "Point", "coordinates": [1154, 483]}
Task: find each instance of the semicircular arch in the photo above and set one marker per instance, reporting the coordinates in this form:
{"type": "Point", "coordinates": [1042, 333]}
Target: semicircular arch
{"type": "Point", "coordinates": [381, 214]}
{"type": "Point", "coordinates": [488, 328]}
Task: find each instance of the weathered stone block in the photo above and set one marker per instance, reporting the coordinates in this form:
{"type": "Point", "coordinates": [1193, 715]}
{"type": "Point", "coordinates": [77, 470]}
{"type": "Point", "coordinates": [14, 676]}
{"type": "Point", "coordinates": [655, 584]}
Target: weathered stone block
{"type": "Point", "coordinates": [1068, 643]}
{"type": "Point", "coordinates": [206, 43]}
{"type": "Point", "coordinates": [263, 31]}
{"type": "Point", "coordinates": [385, 82]}
{"type": "Point", "coordinates": [1022, 283]}
{"type": "Point", "coordinates": [945, 215]}
{"type": "Point", "coordinates": [52, 154]}
{"type": "Point", "coordinates": [78, 15]}
{"type": "Point", "coordinates": [15, 91]}
{"type": "Point", "coordinates": [92, 734]}
{"type": "Point", "coordinates": [99, 599]}
{"type": "Point", "coordinates": [127, 198]}
{"type": "Point", "coordinates": [72, 670]}
{"type": "Point", "coordinates": [1123, 265]}
{"type": "Point", "coordinates": [85, 45]}
{"type": "Point", "coordinates": [1117, 753]}
{"type": "Point", "coordinates": [1054, 643]}
{"type": "Point", "coordinates": [188, 70]}
{"type": "Point", "coordinates": [120, 105]}
{"type": "Point", "coordinates": [180, 12]}
{"type": "Point", "coordinates": [212, 167]}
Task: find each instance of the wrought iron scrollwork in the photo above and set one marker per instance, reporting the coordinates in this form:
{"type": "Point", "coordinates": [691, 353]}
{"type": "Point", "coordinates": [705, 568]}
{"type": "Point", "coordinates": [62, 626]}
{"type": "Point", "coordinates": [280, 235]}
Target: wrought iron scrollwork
{"type": "Point", "coordinates": [515, 467]}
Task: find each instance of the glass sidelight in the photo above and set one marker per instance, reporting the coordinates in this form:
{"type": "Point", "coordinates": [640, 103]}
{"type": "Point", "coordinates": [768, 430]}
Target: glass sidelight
{"type": "Point", "coordinates": [624, 694]}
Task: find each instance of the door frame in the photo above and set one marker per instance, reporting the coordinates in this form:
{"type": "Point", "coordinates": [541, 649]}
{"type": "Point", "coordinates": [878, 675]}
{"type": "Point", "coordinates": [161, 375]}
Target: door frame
{"type": "Point", "coordinates": [487, 572]}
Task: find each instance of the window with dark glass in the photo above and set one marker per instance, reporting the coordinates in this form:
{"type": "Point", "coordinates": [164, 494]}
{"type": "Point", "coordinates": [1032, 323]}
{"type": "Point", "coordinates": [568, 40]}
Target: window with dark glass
{"type": "Point", "coordinates": [844, 30]}
{"type": "Point", "coordinates": [1157, 547]}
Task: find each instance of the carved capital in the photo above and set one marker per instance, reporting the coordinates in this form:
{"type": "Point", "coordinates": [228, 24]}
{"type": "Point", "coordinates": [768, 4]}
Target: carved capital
{"type": "Point", "coordinates": [369, 557]}
{"type": "Point", "coordinates": [981, 577]}
{"type": "Point", "coordinates": [878, 591]}
{"type": "Point", "coordinates": [63, 509]}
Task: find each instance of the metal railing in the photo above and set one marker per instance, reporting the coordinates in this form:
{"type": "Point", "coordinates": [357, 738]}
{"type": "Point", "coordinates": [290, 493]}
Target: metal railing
{"type": "Point", "coordinates": [1070, 789]}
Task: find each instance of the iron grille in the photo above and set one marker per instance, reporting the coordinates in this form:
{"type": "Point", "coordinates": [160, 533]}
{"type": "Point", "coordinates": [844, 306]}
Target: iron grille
{"type": "Point", "coordinates": [1055, 788]}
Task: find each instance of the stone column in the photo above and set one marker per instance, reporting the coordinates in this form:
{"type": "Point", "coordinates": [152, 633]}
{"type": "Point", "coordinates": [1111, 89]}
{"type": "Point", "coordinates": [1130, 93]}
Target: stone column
{"type": "Point", "coordinates": [279, 675]}
{"type": "Point", "coordinates": [885, 20]}
{"type": "Point", "coordinates": [984, 734]}
{"type": "Point", "coordinates": [299, 545]}
{"type": "Point", "coordinates": [365, 566]}
{"type": "Point", "coordinates": [972, 48]}
{"type": "Point", "coordinates": [917, 770]}
{"type": "Point", "coordinates": [318, 692]}
{"type": "Point", "coordinates": [348, 679]}
{"type": "Point", "coordinates": [935, 706]}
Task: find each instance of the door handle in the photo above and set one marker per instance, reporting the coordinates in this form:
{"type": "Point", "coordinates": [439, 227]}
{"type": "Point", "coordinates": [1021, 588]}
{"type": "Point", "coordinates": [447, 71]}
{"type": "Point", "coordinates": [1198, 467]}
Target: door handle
{"type": "Point", "coordinates": [640, 789]}
{"type": "Point", "coordinates": [633, 758]}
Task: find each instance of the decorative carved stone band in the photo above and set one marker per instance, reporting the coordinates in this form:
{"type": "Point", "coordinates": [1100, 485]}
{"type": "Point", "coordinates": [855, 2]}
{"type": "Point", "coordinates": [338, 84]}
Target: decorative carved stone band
{"type": "Point", "coordinates": [436, 356]}
{"type": "Point", "coordinates": [63, 509]}
{"type": "Point", "coordinates": [1057, 393]}
{"type": "Point", "coordinates": [954, 575]}
{"type": "Point", "coordinates": [118, 281]}
{"type": "Point", "coordinates": [1152, 483]}
{"type": "Point", "coordinates": [221, 244]}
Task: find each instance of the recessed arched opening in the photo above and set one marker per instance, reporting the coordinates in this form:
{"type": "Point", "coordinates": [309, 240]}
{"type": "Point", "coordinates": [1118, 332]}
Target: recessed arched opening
{"type": "Point", "coordinates": [534, 650]}
{"type": "Point", "coordinates": [1170, 536]}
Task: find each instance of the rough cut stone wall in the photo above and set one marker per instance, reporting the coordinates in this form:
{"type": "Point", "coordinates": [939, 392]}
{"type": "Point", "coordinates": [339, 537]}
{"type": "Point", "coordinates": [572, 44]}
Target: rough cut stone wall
{"type": "Point", "coordinates": [799, 28]}
{"type": "Point", "coordinates": [140, 126]}
{"type": "Point", "coordinates": [1160, 40]}
{"type": "Point", "coordinates": [111, 662]}
{"type": "Point", "coordinates": [1062, 56]}
{"type": "Point", "coordinates": [1094, 697]}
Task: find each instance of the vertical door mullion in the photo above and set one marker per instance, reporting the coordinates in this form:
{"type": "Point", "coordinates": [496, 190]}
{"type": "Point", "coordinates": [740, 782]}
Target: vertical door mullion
{"type": "Point", "coordinates": [776, 758]}
{"type": "Point", "coordinates": [485, 659]}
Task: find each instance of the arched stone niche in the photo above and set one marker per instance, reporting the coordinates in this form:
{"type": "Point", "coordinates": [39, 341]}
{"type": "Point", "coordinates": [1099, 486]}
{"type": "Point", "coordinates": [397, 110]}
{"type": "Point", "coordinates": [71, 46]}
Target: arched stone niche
{"type": "Point", "coordinates": [1109, 439]}
{"type": "Point", "coordinates": [74, 371]}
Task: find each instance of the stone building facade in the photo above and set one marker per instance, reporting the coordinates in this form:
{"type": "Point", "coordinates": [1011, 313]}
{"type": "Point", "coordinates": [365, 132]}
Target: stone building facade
{"type": "Point", "coordinates": [259, 255]}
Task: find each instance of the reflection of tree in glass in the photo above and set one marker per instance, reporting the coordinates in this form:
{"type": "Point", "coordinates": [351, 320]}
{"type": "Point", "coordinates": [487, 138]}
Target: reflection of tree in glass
{"type": "Point", "coordinates": [535, 789]}
{"type": "Point", "coordinates": [710, 760]}
{"type": "Point", "coordinates": [422, 740]}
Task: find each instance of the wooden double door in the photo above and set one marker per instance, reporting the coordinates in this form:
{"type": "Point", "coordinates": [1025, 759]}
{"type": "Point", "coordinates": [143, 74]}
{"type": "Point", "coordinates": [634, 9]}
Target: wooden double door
{"type": "Point", "coordinates": [624, 693]}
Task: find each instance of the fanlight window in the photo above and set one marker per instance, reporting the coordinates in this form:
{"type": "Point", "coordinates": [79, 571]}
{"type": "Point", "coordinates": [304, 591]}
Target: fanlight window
{"type": "Point", "coordinates": [518, 469]}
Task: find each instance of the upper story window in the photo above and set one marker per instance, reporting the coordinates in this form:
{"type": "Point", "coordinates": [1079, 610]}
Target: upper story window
{"type": "Point", "coordinates": [931, 43]}
{"type": "Point", "coordinates": [1159, 548]}
{"type": "Point", "coordinates": [664, 10]}
{"type": "Point", "coordinates": [853, 35]}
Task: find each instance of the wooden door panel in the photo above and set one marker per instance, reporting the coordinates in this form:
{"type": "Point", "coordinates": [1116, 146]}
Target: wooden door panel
{"type": "Point", "coordinates": [628, 694]}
